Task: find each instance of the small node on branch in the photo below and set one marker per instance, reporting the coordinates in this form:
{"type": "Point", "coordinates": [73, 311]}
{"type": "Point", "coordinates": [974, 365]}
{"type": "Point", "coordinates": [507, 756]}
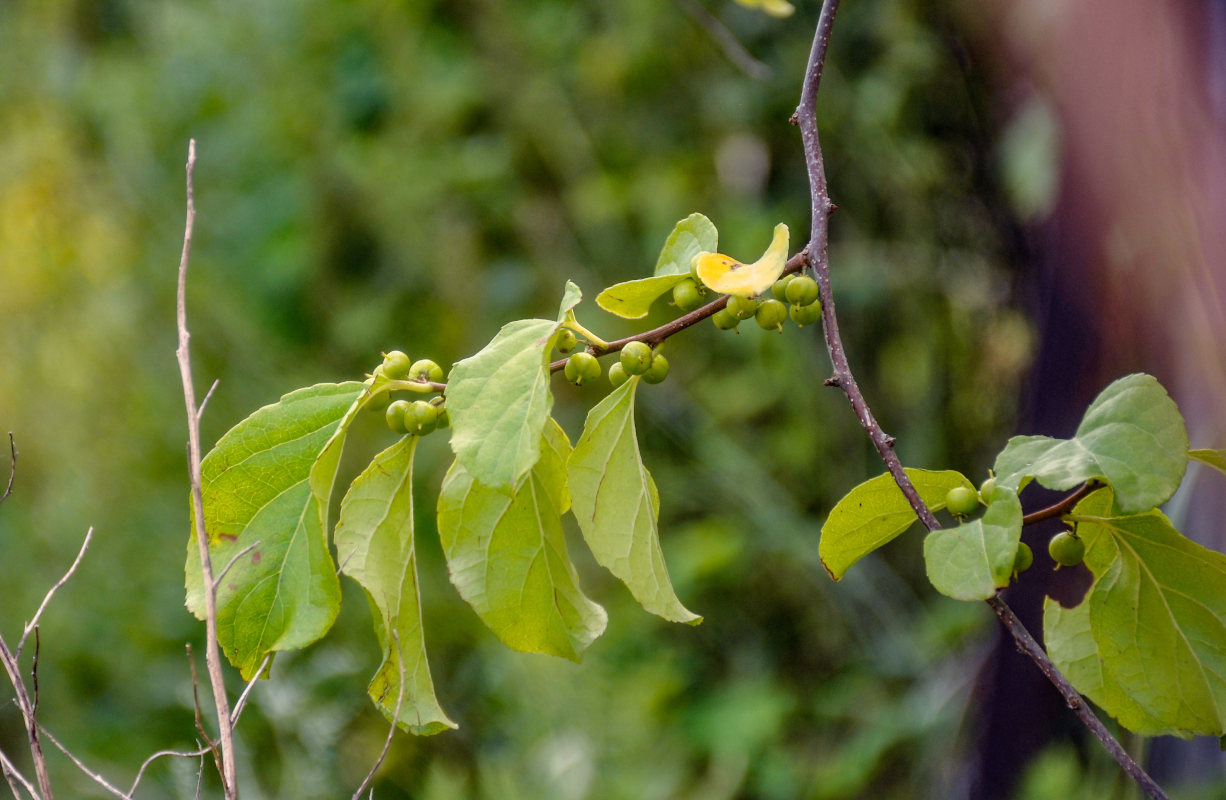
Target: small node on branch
{"type": "Point", "coordinates": [795, 118]}
{"type": "Point", "coordinates": [890, 441]}
{"type": "Point", "coordinates": [834, 380]}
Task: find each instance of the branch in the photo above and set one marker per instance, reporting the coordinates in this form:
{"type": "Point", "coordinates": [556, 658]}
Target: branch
{"type": "Point", "coordinates": [12, 468]}
{"type": "Point", "coordinates": [98, 779]}
{"type": "Point", "coordinates": [387, 743]}
{"type": "Point", "coordinates": [27, 713]}
{"type": "Point", "coordinates": [818, 256]}
{"type": "Point", "coordinates": [212, 654]}
{"type": "Point", "coordinates": [33, 623]}
{"type": "Point", "coordinates": [1064, 506]}
{"type": "Point", "coordinates": [11, 773]}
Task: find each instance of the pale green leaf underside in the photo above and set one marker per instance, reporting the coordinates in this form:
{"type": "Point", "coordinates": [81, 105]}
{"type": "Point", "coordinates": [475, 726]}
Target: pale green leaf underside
{"type": "Point", "coordinates": [1157, 620]}
{"type": "Point", "coordinates": [375, 547]}
{"type": "Point", "coordinates": [633, 299]}
{"type": "Point", "coordinates": [973, 560]}
{"type": "Point", "coordinates": [1214, 458]}
{"type": "Point", "coordinates": [508, 559]}
{"type": "Point", "coordinates": [1132, 437]}
{"type": "Point", "coordinates": [570, 298]}
{"type": "Point", "coordinates": [616, 504]}
{"type": "Point", "coordinates": [498, 401]}
{"type": "Point", "coordinates": [269, 480]}
{"type": "Point", "coordinates": [875, 513]}
{"type": "Point", "coordinates": [693, 235]}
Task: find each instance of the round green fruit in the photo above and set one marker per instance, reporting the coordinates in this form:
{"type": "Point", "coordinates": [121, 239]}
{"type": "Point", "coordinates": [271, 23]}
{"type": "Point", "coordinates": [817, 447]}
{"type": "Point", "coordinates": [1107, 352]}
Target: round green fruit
{"type": "Point", "coordinates": [742, 307]}
{"type": "Point", "coordinates": [378, 402]}
{"type": "Point", "coordinates": [426, 370]}
{"type": "Point", "coordinates": [986, 488]}
{"type": "Point", "coordinates": [1066, 549]}
{"type": "Point", "coordinates": [444, 419]}
{"type": "Point", "coordinates": [771, 315]}
{"type": "Point", "coordinates": [724, 320]}
{"type": "Point", "coordinates": [395, 415]}
{"type": "Point", "coordinates": [961, 501]}
{"type": "Point", "coordinates": [802, 291]}
{"type": "Point", "coordinates": [806, 315]}
{"type": "Point", "coordinates": [1024, 557]}
{"type": "Point", "coordinates": [687, 296]}
{"type": "Point", "coordinates": [658, 370]}
{"type": "Point", "coordinates": [582, 369]}
{"type": "Point", "coordinates": [617, 374]}
{"type": "Point", "coordinates": [566, 341]}
{"type": "Point", "coordinates": [636, 358]}
{"type": "Point", "coordinates": [780, 287]}
{"type": "Point", "coordinates": [396, 364]}
{"type": "Point", "coordinates": [421, 418]}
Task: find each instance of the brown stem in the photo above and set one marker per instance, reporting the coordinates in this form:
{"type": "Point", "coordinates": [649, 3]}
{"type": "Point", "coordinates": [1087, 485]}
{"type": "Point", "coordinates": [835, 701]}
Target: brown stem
{"type": "Point", "coordinates": [806, 118]}
{"type": "Point", "coordinates": [12, 468]}
{"type": "Point", "coordinates": [27, 714]}
{"type": "Point", "coordinates": [1064, 506]}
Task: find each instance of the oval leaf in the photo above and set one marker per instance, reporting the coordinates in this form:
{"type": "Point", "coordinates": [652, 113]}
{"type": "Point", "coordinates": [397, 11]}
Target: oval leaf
{"type": "Point", "coordinates": [507, 556]}
{"type": "Point", "coordinates": [875, 513]}
{"type": "Point", "coordinates": [1132, 438]}
{"type": "Point", "coordinates": [726, 275]}
{"type": "Point", "coordinates": [375, 547]}
{"type": "Point", "coordinates": [973, 560]}
{"type": "Point", "coordinates": [498, 401]}
{"type": "Point", "coordinates": [690, 236]}
{"type": "Point", "coordinates": [616, 504]}
{"type": "Point", "coordinates": [268, 480]}
{"type": "Point", "coordinates": [633, 299]}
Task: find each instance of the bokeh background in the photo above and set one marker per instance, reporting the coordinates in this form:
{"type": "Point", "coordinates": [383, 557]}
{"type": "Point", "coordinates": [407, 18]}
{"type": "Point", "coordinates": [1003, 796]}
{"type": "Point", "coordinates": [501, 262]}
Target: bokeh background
{"type": "Point", "coordinates": [1027, 209]}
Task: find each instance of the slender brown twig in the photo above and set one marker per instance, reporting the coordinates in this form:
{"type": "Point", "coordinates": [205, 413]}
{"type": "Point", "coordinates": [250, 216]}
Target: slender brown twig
{"type": "Point", "coordinates": [212, 653]}
{"type": "Point", "coordinates": [27, 713]}
{"type": "Point", "coordinates": [12, 468]}
{"type": "Point", "coordinates": [817, 250]}
{"type": "Point", "coordinates": [11, 773]}
{"type": "Point", "coordinates": [33, 623]}
{"type": "Point", "coordinates": [387, 743]}
{"type": "Point", "coordinates": [1062, 507]}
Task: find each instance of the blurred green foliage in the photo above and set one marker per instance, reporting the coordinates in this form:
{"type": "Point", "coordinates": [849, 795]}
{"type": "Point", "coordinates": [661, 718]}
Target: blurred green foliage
{"type": "Point", "coordinates": [415, 174]}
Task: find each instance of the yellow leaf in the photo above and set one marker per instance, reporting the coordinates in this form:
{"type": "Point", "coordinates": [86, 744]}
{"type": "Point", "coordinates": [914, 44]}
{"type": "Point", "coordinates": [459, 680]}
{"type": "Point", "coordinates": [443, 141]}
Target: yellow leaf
{"type": "Point", "coordinates": [726, 275]}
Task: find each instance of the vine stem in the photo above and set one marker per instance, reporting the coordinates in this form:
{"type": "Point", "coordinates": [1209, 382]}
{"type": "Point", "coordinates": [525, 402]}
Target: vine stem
{"type": "Point", "coordinates": [818, 259]}
{"type": "Point", "coordinates": [212, 653]}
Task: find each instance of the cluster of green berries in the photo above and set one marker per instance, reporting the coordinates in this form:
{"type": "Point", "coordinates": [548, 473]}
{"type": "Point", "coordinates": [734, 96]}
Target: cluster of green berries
{"type": "Point", "coordinates": [794, 296]}
{"type": "Point", "coordinates": [417, 417]}
{"type": "Point", "coordinates": [636, 358]}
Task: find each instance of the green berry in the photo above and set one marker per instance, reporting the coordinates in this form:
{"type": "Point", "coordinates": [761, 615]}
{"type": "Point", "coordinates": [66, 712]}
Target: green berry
{"type": "Point", "coordinates": [378, 402]}
{"type": "Point", "coordinates": [396, 364]}
{"type": "Point", "coordinates": [742, 307]}
{"type": "Point", "coordinates": [636, 358]}
{"type": "Point", "coordinates": [582, 369]}
{"type": "Point", "coordinates": [1066, 549]}
{"type": "Point", "coordinates": [961, 501]}
{"type": "Point", "coordinates": [1024, 558]}
{"type": "Point", "coordinates": [801, 291]}
{"type": "Point", "coordinates": [566, 340]}
{"type": "Point", "coordinates": [724, 320]}
{"type": "Point", "coordinates": [687, 296]}
{"type": "Point", "coordinates": [658, 370]}
{"type": "Point", "coordinates": [986, 488]}
{"type": "Point", "coordinates": [780, 288]}
{"type": "Point", "coordinates": [395, 415]}
{"type": "Point", "coordinates": [617, 374]}
{"type": "Point", "coordinates": [771, 315]}
{"type": "Point", "coordinates": [806, 315]}
{"type": "Point", "coordinates": [426, 370]}
{"type": "Point", "coordinates": [421, 418]}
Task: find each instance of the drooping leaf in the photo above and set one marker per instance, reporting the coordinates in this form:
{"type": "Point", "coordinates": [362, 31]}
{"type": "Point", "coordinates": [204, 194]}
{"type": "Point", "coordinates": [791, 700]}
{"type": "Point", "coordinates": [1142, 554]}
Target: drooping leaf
{"type": "Point", "coordinates": [498, 401]}
{"type": "Point", "coordinates": [633, 299]}
{"type": "Point", "coordinates": [268, 480]}
{"type": "Point", "coordinates": [571, 296]}
{"type": "Point", "coordinates": [507, 555]}
{"type": "Point", "coordinates": [775, 8]}
{"type": "Point", "coordinates": [1132, 438]}
{"type": "Point", "coordinates": [974, 559]}
{"type": "Point", "coordinates": [375, 547]}
{"type": "Point", "coordinates": [1157, 617]}
{"type": "Point", "coordinates": [726, 275]}
{"type": "Point", "coordinates": [690, 236]}
{"type": "Point", "coordinates": [617, 506]}
{"type": "Point", "coordinates": [1214, 458]}
{"type": "Point", "coordinates": [876, 512]}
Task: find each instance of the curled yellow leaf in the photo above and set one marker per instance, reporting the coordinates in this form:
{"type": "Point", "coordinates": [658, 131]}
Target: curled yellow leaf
{"type": "Point", "coordinates": [726, 275]}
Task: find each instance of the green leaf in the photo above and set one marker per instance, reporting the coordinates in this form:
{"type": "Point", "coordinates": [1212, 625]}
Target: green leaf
{"type": "Point", "coordinates": [693, 235]}
{"type": "Point", "coordinates": [498, 401]}
{"type": "Point", "coordinates": [375, 547]}
{"type": "Point", "coordinates": [507, 556]}
{"type": "Point", "coordinates": [633, 299]}
{"type": "Point", "coordinates": [973, 560]}
{"type": "Point", "coordinates": [570, 298]}
{"type": "Point", "coordinates": [1214, 458]}
{"type": "Point", "coordinates": [1132, 438]}
{"type": "Point", "coordinates": [617, 505]}
{"type": "Point", "coordinates": [1157, 617]}
{"type": "Point", "coordinates": [269, 480]}
{"type": "Point", "coordinates": [875, 513]}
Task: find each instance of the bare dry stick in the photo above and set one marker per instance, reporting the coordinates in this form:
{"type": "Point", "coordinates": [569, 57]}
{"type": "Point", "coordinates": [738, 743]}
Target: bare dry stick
{"type": "Point", "coordinates": [11, 773]}
{"type": "Point", "coordinates": [818, 257]}
{"type": "Point", "coordinates": [387, 743]}
{"type": "Point", "coordinates": [27, 713]}
{"type": "Point", "coordinates": [212, 654]}
{"type": "Point", "coordinates": [33, 623]}
{"type": "Point", "coordinates": [12, 468]}
{"type": "Point", "coordinates": [242, 698]}
{"type": "Point", "coordinates": [98, 779]}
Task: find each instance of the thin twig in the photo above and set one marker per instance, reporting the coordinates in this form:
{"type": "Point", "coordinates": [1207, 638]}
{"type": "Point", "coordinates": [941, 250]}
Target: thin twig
{"type": "Point", "coordinates": [242, 698]}
{"type": "Point", "coordinates": [208, 740]}
{"type": "Point", "coordinates": [33, 623]}
{"type": "Point", "coordinates": [12, 468]}
{"type": "Point", "coordinates": [140, 773]}
{"type": "Point", "coordinates": [34, 670]}
{"type": "Point", "coordinates": [212, 653]}
{"type": "Point", "coordinates": [734, 51]}
{"type": "Point", "coordinates": [11, 772]}
{"type": "Point", "coordinates": [27, 713]}
{"type": "Point", "coordinates": [1064, 506]}
{"type": "Point", "coordinates": [387, 743]}
{"type": "Point", "coordinates": [98, 779]}
{"type": "Point", "coordinates": [818, 256]}
{"type": "Point", "coordinates": [205, 401]}
{"type": "Point", "coordinates": [233, 560]}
